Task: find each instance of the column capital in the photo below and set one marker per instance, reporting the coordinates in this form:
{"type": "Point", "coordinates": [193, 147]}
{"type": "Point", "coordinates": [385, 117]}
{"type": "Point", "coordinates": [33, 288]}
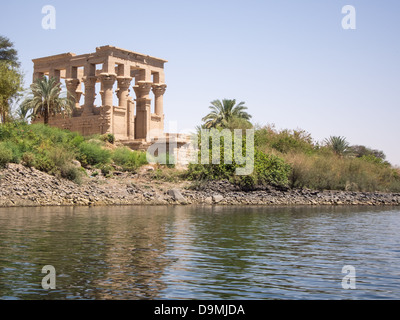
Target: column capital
{"type": "Point", "coordinates": [159, 89]}
{"type": "Point", "coordinates": [72, 86]}
{"type": "Point", "coordinates": [73, 83]}
{"type": "Point", "coordinates": [107, 79]}
{"type": "Point", "coordinates": [142, 89]}
{"type": "Point", "coordinates": [89, 81]}
{"type": "Point", "coordinates": [124, 82]}
{"type": "Point", "coordinates": [123, 90]}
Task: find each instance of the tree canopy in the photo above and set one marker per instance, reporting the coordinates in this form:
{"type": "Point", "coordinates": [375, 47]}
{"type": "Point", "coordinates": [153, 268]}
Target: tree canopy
{"type": "Point", "coordinates": [226, 113]}
{"type": "Point", "coordinates": [45, 99]}
{"type": "Point", "coordinates": [10, 77]}
{"type": "Point", "coordinates": [7, 52]}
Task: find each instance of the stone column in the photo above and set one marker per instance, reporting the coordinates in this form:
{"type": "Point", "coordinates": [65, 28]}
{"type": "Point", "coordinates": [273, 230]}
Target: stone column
{"type": "Point", "coordinates": [90, 93]}
{"type": "Point", "coordinates": [130, 119]}
{"type": "Point", "coordinates": [159, 90]}
{"type": "Point", "coordinates": [72, 86]}
{"type": "Point", "coordinates": [107, 83]}
{"type": "Point", "coordinates": [56, 74]}
{"type": "Point", "coordinates": [143, 105]}
{"type": "Point", "coordinates": [123, 90]}
{"type": "Point", "coordinates": [37, 75]}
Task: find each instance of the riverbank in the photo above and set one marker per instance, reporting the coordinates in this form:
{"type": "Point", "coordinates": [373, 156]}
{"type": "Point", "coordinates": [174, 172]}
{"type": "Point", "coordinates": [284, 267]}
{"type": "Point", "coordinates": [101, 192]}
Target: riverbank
{"type": "Point", "coordinates": [23, 187]}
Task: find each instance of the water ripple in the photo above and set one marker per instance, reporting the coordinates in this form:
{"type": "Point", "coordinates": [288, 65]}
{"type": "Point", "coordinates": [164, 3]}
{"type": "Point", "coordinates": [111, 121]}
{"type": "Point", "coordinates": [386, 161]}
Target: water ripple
{"type": "Point", "coordinates": [200, 252]}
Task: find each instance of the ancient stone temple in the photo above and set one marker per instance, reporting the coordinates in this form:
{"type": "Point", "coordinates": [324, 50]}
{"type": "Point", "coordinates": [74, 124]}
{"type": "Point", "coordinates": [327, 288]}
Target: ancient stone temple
{"type": "Point", "coordinates": [110, 71]}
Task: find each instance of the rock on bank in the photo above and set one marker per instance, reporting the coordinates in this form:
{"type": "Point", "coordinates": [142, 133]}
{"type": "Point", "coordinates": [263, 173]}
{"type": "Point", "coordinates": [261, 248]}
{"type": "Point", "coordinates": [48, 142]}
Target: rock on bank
{"type": "Point", "coordinates": [22, 186]}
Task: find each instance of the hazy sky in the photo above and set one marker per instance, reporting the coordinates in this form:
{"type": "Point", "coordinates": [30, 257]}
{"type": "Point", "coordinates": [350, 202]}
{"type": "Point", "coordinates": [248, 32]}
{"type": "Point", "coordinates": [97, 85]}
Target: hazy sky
{"type": "Point", "coordinates": [289, 60]}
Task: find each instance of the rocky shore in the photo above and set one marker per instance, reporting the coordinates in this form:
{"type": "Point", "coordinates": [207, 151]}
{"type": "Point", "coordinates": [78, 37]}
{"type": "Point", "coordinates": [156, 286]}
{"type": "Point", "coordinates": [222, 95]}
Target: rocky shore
{"type": "Point", "coordinates": [22, 186]}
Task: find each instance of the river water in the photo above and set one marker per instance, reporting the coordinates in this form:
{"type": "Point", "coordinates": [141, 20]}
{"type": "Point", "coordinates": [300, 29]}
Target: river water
{"type": "Point", "coordinates": [190, 252]}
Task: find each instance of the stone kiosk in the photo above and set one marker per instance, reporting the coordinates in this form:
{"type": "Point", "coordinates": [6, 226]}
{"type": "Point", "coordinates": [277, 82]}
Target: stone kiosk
{"type": "Point", "coordinates": [116, 71]}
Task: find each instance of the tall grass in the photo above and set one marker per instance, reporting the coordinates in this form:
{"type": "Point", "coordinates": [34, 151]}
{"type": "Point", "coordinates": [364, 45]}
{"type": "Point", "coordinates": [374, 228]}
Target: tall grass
{"type": "Point", "coordinates": [322, 171]}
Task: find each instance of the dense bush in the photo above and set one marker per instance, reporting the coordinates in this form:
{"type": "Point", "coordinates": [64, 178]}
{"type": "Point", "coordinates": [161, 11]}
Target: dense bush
{"type": "Point", "coordinates": [129, 160]}
{"type": "Point", "coordinates": [267, 169]}
{"type": "Point", "coordinates": [267, 138]}
{"type": "Point", "coordinates": [361, 151]}
{"type": "Point", "coordinates": [50, 149]}
{"type": "Point", "coordinates": [92, 154]}
{"type": "Point", "coordinates": [53, 150]}
{"type": "Point", "coordinates": [5, 155]}
{"type": "Point", "coordinates": [110, 138]}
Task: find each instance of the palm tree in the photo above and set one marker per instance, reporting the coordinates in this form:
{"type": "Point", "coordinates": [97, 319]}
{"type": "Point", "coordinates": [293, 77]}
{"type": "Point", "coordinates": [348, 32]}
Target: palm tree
{"type": "Point", "coordinates": [46, 100]}
{"type": "Point", "coordinates": [23, 112]}
{"type": "Point", "coordinates": [339, 145]}
{"type": "Point", "coordinates": [225, 111]}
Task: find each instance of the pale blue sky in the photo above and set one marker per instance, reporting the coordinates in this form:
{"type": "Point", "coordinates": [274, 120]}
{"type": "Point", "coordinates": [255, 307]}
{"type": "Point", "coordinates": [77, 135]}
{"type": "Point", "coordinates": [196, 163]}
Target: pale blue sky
{"type": "Point", "coordinates": [289, 60]}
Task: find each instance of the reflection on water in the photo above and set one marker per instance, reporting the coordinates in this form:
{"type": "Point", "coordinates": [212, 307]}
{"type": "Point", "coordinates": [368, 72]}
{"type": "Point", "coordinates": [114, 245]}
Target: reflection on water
{"type": "Point", "coordinates": [200, 252]}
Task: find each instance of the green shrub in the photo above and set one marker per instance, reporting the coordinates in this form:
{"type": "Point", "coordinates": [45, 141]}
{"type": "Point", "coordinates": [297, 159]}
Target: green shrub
{"type": "Point", "coordinates": [16, 153]}
{"type": "Point", "coordinates": [77, 140]}
{"type": "Point", "coordinates": [268, 169]}
{"type": "Point", "coordinates": [5, 155]}
{"type": "Point", "coordinates": [106, 169]}
{"type": "Point", "coordinates": [92, 154]}
{"type": "Point", "coordinates": [284, 141]}
{"type": "Point", "coordinates": [60, 156]}
{"type": "Point", "coordinates": [129, 160]}
{"type": "Point", "coordinates": [71, 173]}
{"type": "Point", "coordinates": [108, 138]}
{"type": "Point", "coordinates": [28, 159]}
{"type": "Point", "coordinates": [46, 148]}
{"type": "Point", "coordinates": [271, 169]}
{"type": "Point", "coordinates": [375, 160]}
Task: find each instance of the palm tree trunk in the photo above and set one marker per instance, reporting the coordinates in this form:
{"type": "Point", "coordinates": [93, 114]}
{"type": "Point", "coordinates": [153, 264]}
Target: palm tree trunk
{"type": "Point", "coordinates": [46, 116]}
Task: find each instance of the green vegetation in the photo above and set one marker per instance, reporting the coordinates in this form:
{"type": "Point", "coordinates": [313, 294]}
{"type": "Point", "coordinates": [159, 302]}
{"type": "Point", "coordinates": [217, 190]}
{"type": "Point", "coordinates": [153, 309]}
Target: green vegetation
{"type": "Point", "coordinates": [6, 155]}
{"type": "Point", "coordinates": [129, 160]}
{"type": "Point", "coordinates": [7, 51]}
{"type": "Point", "coordinates": [334, 165]}
{"type": "Point", "coordinates": [226, 114]}
{"type": "Point", "coordinates": [268, 169]}
{"type": "Point", "coordinates": [46, 99]}
{"type": "Point", "coordinates": [292, 158]}
{"type": "Point", "coordinates": [324, 171]}
{"type": "Point", "coordinates": [10, 78]}
{"type": "Point", "coordinates": [53, 151]}
{"type": "Point", "coordinates": [338, 145]}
